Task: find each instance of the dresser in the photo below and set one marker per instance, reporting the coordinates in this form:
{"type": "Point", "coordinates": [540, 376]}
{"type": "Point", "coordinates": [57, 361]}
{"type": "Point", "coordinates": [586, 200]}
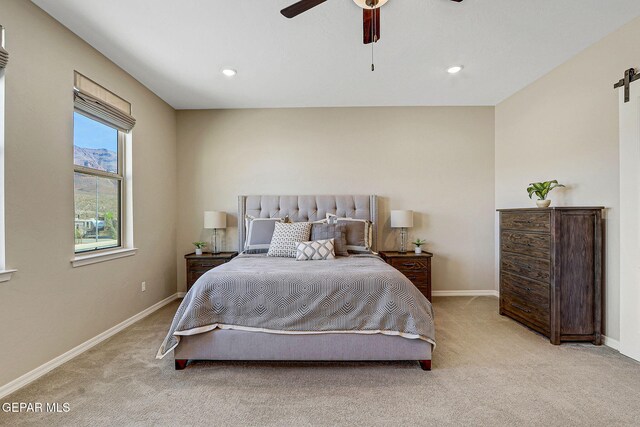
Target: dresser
{"type": "Point", "coordinates": [551, 271]}
{"type": "Point", "coordinates": [197, 265]}
{"type": "Point", "coordinates": [417, 268]}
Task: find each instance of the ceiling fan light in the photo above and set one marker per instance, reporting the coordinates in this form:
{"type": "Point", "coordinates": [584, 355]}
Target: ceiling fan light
{"type": "Point", "coordinates": [229, 72]}
{"type": "Point", "coordinates": [455, 69]}
{"type": "Point", "coordinates": [365, 4]}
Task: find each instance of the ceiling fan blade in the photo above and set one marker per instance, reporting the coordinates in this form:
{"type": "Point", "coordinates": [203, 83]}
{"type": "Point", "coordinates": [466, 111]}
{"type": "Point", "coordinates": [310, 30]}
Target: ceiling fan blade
{"type": "Point", "coordinates": [371, 25]}
{"type": "Point", "coordinates": [299, 7]}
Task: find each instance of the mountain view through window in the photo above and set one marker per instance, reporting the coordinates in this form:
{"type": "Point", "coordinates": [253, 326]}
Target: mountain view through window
{"type": "Point", "coordinates": [97, 184]}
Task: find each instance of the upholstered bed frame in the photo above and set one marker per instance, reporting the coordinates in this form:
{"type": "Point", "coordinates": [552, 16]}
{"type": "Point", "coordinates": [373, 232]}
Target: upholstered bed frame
{"type": "Point", "coordinates": [307, 208]}
{"type": "Point", "coordinates": [225, 344]}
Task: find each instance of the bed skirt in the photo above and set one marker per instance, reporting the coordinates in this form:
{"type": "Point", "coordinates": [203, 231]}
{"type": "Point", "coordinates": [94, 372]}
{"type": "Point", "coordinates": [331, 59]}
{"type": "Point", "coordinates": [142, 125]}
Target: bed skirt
{"type": "Point", "coordinates": [229, 344]}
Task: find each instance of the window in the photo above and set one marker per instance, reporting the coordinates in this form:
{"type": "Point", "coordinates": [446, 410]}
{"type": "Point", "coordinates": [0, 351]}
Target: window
{"type": "Point", "coordinates": [98, 152]}
{"type": "Point", "coordinates": [102, 184]}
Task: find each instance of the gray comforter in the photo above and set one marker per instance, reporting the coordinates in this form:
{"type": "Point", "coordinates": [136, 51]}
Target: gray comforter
{"type": "Point", "coordinates": [356, 294]}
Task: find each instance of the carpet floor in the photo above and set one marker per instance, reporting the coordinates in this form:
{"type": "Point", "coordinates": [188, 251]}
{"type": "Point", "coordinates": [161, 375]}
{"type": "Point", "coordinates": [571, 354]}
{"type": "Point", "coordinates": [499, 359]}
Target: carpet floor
{"type": "Point", "coordinates": [487, 370]}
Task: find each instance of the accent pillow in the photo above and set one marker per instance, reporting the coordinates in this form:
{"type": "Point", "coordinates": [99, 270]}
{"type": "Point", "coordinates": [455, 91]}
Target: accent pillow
{"type": "Point", "coordinates": [315, 250]}
{"type": "Point", "coordinates": [259, 233]}
{"type": "Point", "coordinates": [359, 233]}
{"type": "Point", "coordinates": [286, 237]}
{"type": "Point", "coordinates": [332, 231]}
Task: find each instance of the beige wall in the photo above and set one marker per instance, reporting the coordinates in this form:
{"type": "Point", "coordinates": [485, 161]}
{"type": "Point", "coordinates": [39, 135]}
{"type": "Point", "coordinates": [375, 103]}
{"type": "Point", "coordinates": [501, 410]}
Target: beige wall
{"type": "Point", "coordinates": [49, 307]}
{"type": "Point", "coordinates": [565, 126]}
{"type": "Point", "coordinates": [435, 161]}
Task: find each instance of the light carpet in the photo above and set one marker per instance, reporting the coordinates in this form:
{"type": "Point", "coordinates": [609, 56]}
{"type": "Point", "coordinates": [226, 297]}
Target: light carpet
{"type": "Point", "coordinates": [487, 370]}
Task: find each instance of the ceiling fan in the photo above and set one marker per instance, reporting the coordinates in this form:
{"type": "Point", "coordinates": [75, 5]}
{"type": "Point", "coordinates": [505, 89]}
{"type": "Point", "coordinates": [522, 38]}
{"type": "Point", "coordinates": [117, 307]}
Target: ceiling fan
{"type": "Point", "coordinates": [370, 15]}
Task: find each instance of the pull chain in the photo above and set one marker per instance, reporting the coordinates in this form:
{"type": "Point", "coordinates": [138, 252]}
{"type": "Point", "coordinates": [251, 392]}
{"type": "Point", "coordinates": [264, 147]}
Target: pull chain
{"type": "Point", "coordinates": [373, 67]}
{"type": "Point", "coordinates": [373, 38]}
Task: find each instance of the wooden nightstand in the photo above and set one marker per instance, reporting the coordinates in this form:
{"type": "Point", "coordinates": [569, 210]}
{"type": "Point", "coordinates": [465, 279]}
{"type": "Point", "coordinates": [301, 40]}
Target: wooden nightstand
{"type": "Point", "coordinates": [197, 265]}
{"type": "Point", "coordinates": [417, 268]}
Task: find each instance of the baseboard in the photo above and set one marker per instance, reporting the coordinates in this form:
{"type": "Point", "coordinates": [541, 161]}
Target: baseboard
{"type": "Point", "coordinates": [485, 293]}
{"type": "Point", "coordinates": [610, 342]}
{"type": "Point", "coordinates": [180, 294]}
{"type": "Point", "coordinates": [33, 375]}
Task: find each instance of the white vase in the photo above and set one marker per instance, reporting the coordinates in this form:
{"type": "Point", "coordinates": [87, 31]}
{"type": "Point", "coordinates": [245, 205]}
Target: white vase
{"type": "Point", "coordinates": [418, 250]}
{"type": "Point", "coordinates": [198, 251]}
{"type": "Point", "coordinates": [543, 203]}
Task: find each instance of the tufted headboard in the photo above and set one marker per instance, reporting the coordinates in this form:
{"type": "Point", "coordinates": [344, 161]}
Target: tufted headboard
{"type": "Point", "coordinates": [307, 208]}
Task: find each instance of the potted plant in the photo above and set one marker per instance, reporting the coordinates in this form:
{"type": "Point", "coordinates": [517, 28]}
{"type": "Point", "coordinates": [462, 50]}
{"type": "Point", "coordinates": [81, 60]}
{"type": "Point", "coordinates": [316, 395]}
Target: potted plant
{"type": "Point", "coordinates": [199, 246]}
{"type": "Point", "coordinates": [418, 243]}
{"type": "Point", "coordinates": [541, 190]}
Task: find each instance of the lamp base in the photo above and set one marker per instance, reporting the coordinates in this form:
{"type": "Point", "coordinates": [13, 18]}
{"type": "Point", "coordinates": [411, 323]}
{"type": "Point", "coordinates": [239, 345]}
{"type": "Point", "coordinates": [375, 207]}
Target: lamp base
{"type": "Point", "coordinates": [403, 240]}
{"type": "Point", "coordinates": [214, 242]}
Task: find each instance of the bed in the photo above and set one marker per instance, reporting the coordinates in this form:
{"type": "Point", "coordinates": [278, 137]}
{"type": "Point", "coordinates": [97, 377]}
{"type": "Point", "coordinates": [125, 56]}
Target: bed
{"type": "Point", "coordinates": [259, 308]}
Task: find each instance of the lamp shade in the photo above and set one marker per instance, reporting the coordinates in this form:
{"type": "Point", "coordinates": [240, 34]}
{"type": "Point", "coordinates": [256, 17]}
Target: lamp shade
{"type": "Point", "coordinates": [214, 219]}
{"type": "Point", "coordinates": [401, 219]}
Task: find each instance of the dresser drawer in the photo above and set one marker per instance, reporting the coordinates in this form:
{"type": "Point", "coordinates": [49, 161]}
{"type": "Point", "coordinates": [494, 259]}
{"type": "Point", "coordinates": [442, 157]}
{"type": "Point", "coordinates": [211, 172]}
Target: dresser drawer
{"type": "Point", "coordinates": [529, 221]}
{"type": "Point", "coordinates": [528, 290]}
{"type": "Point", "coordinates": [194, 275]}
{"type": "Point", "coordinates": [532, 268]}
{"type": "Point", "coordinates": [532, 244]}
{"type": "Point", "coordinates": [418, 278]}
{"type": "Point", "coordinates": [206, 264]}
{"type": "Point", "coordinates": [528, 311]}
{"type": "Point", "coordinates": [409, 265]}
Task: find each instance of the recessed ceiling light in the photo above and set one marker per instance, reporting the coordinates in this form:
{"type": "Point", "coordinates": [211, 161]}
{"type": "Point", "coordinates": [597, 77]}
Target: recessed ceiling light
{"type": "Point", "coordinates": [455, 70]}
{"type": "Point", "coordinates": [229, 72]}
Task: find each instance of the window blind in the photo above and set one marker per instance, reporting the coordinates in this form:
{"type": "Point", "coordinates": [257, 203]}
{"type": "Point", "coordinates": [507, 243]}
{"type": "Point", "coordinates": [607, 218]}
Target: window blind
{"type": "Point", "coordinates": [101, 104]}
{"type": "Point", "coordinates": [4, 55]}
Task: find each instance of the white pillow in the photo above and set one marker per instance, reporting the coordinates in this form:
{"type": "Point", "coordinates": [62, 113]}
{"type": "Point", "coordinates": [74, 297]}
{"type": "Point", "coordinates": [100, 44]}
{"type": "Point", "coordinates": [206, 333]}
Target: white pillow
{"type": "Point", "coordinates": [286, 237]}
{"type": "Point", "coordinates": [315, 250]}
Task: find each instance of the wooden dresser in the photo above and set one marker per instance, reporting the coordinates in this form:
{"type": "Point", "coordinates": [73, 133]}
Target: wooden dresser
{"type": "Point", "coordinates": [551, 271]}
{"type": "Point", "coordinates": [417, 268]}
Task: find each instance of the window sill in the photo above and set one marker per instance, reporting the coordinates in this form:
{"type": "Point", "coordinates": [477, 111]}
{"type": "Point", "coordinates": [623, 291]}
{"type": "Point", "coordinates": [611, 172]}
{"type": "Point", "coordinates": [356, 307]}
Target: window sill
{"type": "Point", "coordinates": [5, 275]}
{"type": "Point", "coordinates": [93, 258]}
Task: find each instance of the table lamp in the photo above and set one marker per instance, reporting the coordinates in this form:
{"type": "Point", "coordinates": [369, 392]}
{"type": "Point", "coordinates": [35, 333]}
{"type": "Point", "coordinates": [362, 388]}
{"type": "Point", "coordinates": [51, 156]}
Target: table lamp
{"type": "Point", "coordinates": [402, 220]}
{"type": "Point", "coordinates": [217, 221]}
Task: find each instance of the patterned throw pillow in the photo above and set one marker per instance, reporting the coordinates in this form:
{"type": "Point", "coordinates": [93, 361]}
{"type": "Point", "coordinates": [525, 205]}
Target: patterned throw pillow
{"type": "Point", "coordinates": [315, 250]}
{"type": "Point", "coordinates": [332, 231]}
{"type": "Point", "coordinates": [286, 237]}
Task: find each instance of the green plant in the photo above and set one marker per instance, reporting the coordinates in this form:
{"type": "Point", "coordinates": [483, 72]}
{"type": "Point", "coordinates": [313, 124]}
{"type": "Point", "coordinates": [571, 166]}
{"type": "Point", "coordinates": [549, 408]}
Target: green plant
{"type": "Point", "coordinates": [109, 226]}
{"type": "Point", "coordinates": [541, 189]}
{"type": "Point", "coordinates": [419, 242]}
{"type": "Point", "coordinates": [199, 245]}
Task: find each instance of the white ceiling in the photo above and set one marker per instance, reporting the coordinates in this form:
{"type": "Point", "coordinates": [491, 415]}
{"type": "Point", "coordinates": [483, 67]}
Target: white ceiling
{"type": "Point", "coordinates": [177, 48]}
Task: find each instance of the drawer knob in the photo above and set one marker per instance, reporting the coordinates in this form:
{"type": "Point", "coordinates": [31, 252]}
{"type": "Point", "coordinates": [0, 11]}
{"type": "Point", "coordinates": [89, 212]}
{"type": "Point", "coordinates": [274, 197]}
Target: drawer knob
{"type": "Point", "coordinates": [409, 264]}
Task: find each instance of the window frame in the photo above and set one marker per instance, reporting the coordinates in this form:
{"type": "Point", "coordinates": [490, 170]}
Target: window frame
{"type": "Point", "coordinates": [125, 169]}
{"type": "Point", "coordinates": [5, 273]}
{"type": "Point", "coordinates": [119, 176]}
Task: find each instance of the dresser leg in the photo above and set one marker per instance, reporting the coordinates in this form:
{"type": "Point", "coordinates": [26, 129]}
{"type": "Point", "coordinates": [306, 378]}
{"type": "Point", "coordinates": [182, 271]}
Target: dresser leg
{"type": "Point", "coordinates": [181, 364]}
{"type": "Point", "coordinates": [425, 365]}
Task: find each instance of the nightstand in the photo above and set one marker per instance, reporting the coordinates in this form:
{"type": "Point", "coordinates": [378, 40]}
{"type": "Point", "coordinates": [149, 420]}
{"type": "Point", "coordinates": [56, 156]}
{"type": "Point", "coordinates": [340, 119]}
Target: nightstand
{"type": "Point", "coordinates": [197, 265]}
{"type": "Point", "coordinates": [417, 268]}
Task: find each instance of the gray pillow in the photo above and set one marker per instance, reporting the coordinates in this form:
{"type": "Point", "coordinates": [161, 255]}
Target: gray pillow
{"type": "Point", "coordinates": [332, 231]}
{"type": "Point", "coordinates": [259, 233]}
{"type": "Point", "coordinates": [358, 233]}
